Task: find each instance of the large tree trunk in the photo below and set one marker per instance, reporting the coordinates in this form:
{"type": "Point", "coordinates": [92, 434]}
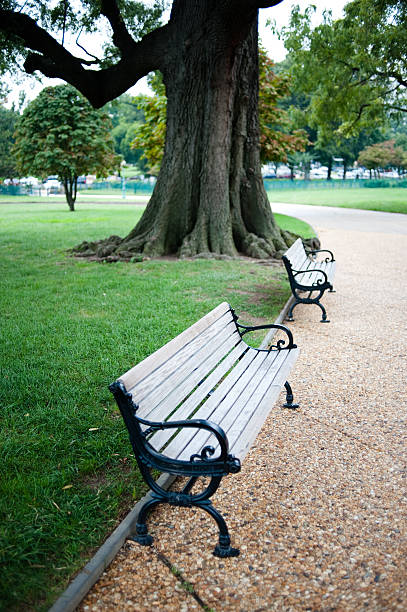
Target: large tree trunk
{"type": "Point", "coordinates": [209, 197]}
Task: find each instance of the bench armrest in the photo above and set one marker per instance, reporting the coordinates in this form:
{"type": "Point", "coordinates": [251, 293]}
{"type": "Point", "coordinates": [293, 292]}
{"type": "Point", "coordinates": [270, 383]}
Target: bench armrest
{"type": "Point", "coordinates": [314, 252]}
{"type": "Point", "coordinates": [319, 281]}
{"type": "Point", "coordinates": [144, 451]}
{"type": "Point", "coordinates": [232, 463]}
{"type": "Point", "coordinates": [280, 344]}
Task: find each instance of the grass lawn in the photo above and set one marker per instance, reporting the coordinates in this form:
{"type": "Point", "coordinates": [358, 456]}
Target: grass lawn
{"type": "Point", "coordinates": [68, 329]}
{"type": "Point", "coordinates": [386, 200]}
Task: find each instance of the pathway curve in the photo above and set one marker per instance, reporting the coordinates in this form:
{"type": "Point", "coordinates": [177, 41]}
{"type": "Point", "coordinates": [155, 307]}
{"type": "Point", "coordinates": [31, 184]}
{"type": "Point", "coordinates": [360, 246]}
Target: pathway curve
{"type": "Point", "coordinates": [319, 510]}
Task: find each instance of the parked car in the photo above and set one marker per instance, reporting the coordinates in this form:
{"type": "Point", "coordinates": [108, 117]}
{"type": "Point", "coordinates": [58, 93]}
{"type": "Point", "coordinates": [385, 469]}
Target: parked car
{"type": "Point", "coordinates": [52, 184]}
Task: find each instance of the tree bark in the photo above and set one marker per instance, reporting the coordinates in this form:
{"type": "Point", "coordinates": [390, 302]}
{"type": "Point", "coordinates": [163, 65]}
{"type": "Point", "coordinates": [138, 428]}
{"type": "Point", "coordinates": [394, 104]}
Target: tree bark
{"type": "Point", "coordinates": [70, 188]}
{"type": "Point", "coordinates": [209, 197]}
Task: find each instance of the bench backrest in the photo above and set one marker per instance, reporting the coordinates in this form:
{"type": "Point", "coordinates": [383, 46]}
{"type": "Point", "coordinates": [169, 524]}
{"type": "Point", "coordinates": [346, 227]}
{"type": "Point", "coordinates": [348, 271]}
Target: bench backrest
{"type": "Point", "coordinates": [296, 255]}
{"type": "Point", "coordinates": [165, 379]}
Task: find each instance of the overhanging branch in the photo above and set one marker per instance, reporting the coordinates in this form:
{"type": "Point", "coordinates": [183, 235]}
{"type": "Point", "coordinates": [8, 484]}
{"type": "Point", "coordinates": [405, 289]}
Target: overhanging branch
{"type": "Point", "coordinates": [98, 86]}
{"type": "Point", "coordinates": [121, 37]}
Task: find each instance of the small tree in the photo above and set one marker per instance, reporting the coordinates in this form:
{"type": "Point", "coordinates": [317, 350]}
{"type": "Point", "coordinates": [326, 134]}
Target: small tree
{"type": "Point", "coordinates": [60, 133]}
{"type": "Point", "coordinates": [381, 155]}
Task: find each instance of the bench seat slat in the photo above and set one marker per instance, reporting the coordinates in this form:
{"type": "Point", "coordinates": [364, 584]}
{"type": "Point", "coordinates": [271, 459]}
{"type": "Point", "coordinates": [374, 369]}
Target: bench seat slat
{"type": "Point", "coordinates": [246, 431]}
{"type": "Point", "coordinates": [177, 445]}
{"type": "Point", "coordinates": [186, 409]}
{"type": "Point", "coordinates": [238, 408]}
{"type": "Point", "coordinates": [309, 278]}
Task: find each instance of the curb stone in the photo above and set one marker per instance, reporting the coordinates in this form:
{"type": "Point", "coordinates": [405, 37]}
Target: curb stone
{"type": "Point", "coordinates": [92, 571]}
{"type": "Point", "coordinates": [84, 581]}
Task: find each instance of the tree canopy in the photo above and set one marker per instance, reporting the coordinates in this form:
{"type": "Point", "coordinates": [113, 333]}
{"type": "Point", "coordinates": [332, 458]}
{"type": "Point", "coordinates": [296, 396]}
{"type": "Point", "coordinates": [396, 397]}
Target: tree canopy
{"type": "Point", "coordinates": [59, 133]}
{"type": "Point", "coordinates": [355, 68]}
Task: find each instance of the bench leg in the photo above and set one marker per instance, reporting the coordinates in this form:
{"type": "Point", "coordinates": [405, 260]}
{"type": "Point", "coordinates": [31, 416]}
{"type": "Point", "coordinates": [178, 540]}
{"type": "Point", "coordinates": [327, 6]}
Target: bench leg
{"type": "Point", "coordinates": [289, 316]}
{"type": "Point", "coordinates": [142, 536]}
{"type": "Point", "coordinates": [223, 549]}
{"type": "Point", "coordinates": [184, 499]}
{"type": "Point", "coordinates": [324, 315]}
{"type": "Point", "coordinates": [289, 397]}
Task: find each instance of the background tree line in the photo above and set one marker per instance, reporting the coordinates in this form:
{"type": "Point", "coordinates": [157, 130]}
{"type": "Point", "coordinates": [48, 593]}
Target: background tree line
{"type": "Point", "coordinates": [329, 99]}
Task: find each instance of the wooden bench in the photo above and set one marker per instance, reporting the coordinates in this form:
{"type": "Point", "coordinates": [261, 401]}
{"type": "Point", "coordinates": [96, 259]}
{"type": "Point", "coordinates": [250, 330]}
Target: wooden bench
{"type": "Point", "coordinates": [307, 274]}
{"type": "Point", "coordinates": [195, 406]}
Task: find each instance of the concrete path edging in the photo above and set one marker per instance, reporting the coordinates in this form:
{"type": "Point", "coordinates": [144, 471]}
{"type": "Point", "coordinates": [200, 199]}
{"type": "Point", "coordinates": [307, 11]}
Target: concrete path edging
{"type": "Point", "coordinates": [87, 577]}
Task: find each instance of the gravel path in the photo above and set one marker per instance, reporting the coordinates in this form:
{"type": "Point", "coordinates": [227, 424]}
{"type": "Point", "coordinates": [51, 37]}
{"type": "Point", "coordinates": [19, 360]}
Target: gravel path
{"type": "Point", "coordinates": [319, 510]}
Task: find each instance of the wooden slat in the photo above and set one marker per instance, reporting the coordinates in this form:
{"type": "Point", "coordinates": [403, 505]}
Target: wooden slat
{"type": "Point", "coordinates": [185, 411]}
{"type": "Point", "coordinates": [248, 432]}
{"type": "Point", "coordinates": [227, 411]}
{"type": "Point", "coordinates": [151, 390]}
{"type": "Point", "coordinates": [178, 444]}
{"type": "Point", "coordinates": [296, 255]}
{"type": "Point", "coordinates": [163, 401]}
{"type": "Point", "coordinates": [141, 370]}
{"type": "Point", "coordinates": [237, 411]}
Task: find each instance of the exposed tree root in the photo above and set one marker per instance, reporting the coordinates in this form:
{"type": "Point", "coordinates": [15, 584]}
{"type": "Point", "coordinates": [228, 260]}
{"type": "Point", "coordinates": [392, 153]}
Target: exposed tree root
{"type": "Point", "coordinates": [114, 248]}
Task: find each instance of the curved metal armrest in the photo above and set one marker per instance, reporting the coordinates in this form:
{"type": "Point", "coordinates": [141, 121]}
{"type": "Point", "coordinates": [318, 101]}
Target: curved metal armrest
{"type": "Point", "coordinates": [280, 344]}
{"type": "Point", "coordinates": [199, 423]}
{"type": "Point", "coordinates": [322, 251]}
{"type": "Point", "coordinates": [319, 282]}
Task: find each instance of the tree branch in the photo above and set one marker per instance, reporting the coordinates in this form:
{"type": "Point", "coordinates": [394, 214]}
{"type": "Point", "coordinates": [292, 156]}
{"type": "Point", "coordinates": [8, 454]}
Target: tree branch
{"type": "Point", "coordinates": [98, 86]}
{"type": "Point", "coordinates": [121, 37]}
{"type": "Point", "coordinates": [394, 75]}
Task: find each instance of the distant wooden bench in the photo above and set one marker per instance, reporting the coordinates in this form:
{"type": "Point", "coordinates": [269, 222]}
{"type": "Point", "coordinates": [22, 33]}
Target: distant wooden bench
{"type": "Point", "coordinates": [307, 274]}
{"type": "Point", "coordinates": [195, 406]}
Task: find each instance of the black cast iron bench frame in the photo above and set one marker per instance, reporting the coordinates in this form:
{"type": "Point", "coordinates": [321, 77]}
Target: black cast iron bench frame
{"type": "Point", "coordinates": [212, 460]}
{"type": "Point", "coordinates": [308, 275]}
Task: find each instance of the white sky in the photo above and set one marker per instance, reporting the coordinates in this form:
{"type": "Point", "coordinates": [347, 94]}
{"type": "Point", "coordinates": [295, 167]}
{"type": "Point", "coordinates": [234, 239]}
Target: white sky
{"type": "Point", "coordinates": [281, 14]}
{"type": "Point", "coordinates": [274, 47]}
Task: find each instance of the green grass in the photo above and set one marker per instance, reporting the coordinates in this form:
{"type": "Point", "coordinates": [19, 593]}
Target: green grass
{"type": "Point", "coordinates": [297, 226]}
{"type": "Point", "coordinates": [381, 199]}
{"type": "Point", "coordinates": [68, 329]}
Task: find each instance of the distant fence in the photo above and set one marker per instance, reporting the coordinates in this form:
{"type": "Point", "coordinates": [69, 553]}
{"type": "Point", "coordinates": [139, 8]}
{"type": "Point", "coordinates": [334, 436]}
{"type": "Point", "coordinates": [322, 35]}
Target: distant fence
{"type": "Point", "coordinates": [146, 187]}
{"type": "Point", "coordinates": [276, 184]}
{"type": "Point", "coordinates": [136, 187]}
{"type": "Point", "coordinates": [128, 187]}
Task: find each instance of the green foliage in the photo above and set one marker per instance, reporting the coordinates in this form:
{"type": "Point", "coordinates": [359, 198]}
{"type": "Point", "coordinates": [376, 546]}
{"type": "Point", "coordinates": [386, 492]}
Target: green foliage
{"type": "Point", "coordinates": [59, 133]}
{"type": "Point", "coordinates": [125, 116]}
{"type": "Point", "coordinates": [150, 135]}
{"type": "Point", "coordinates": [353, 68]}
{"type": "Point", "coordinates": [277, 138]}
{"type": "Point", "coordinates": [8, 165]}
